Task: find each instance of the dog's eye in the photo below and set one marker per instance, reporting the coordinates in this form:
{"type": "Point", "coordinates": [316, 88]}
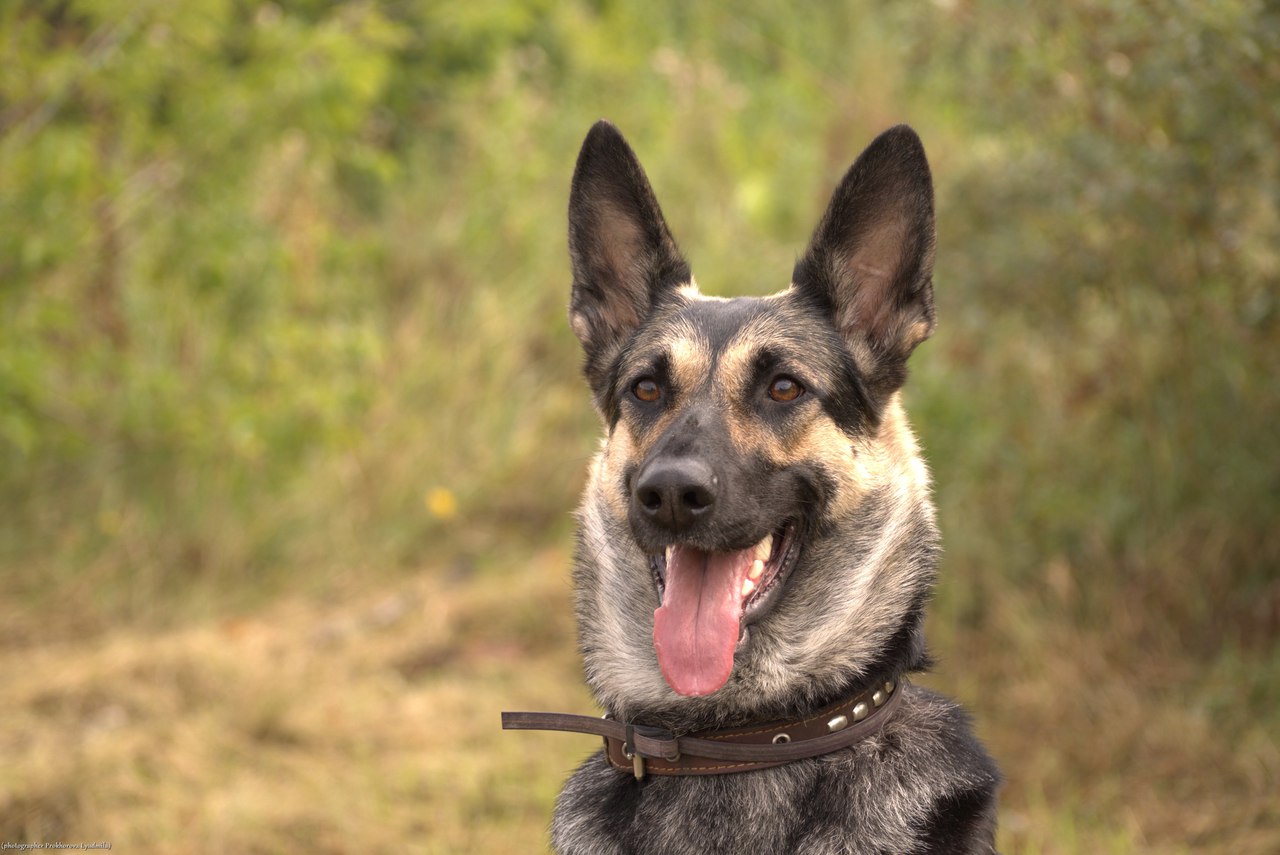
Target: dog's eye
{"type": "Point", "coordinates": [647, 390]}
{"type": "Point", "coordinates": [784, 389]}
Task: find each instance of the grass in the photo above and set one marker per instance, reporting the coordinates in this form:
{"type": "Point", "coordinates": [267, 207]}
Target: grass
{"type": "Point", "coordinates": [368, 721]}
{"type": "Point", "coordinates": [347, 725]}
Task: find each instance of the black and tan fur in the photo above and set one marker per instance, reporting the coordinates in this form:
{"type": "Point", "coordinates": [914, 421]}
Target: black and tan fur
{"type": "Point", "coordinates": [839, 462]}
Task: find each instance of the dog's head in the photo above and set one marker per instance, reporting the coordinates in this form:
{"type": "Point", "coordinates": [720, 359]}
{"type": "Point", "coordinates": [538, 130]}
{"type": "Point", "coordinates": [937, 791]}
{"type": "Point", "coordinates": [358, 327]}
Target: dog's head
{"type": "Point", "coordinates": [758, 485]}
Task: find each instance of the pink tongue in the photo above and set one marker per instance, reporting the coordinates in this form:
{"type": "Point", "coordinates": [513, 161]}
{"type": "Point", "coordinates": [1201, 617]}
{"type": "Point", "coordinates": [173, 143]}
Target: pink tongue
{"type": "Point", "coordinates": [696, 629]}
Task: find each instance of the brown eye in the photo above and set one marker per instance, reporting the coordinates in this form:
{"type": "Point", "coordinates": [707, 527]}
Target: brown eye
{"type": "Point", "coordinates": [647, 390]}
{"type": "Point", "coordinates": [784, 389]}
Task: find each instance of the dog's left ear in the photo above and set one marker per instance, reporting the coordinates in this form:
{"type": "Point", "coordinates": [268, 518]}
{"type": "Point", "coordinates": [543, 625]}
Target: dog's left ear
{"type": "Point", "coordinates": [869, 265]}
{"type": "Point", "coordinates": [624, 258]}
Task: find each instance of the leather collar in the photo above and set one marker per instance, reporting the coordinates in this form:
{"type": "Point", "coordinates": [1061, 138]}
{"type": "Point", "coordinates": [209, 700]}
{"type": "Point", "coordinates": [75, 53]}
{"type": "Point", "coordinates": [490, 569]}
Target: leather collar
{"type": "Point", "coordinates": [642, 749]}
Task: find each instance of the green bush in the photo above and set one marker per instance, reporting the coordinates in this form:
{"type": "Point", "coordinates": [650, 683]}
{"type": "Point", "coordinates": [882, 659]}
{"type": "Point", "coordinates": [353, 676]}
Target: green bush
{"type": "Point", "coordinates": [284, 284]}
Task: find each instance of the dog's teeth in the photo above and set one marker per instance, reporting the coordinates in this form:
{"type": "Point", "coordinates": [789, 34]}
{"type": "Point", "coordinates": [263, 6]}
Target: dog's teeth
{"type": "Point", "coordinates": [763, 548]}
{"type": "Point", "coordinates": [670, 549]}
{"type": "Point", "coordinates": [756, 571]}
{"type": "Point", "coordinates": [748, 586]}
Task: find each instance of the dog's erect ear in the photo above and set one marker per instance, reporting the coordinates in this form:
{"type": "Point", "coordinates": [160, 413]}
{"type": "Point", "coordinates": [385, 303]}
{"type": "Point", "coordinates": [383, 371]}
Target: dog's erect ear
{"type": "Point", "coordinates": [869, 264]}
{"type": "Point", "coordinates": [624, 258]}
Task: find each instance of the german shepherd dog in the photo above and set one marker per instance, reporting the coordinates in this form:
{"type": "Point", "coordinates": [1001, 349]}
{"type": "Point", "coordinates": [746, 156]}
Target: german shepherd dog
{"type": "Point", "coordinates": [757, 538]}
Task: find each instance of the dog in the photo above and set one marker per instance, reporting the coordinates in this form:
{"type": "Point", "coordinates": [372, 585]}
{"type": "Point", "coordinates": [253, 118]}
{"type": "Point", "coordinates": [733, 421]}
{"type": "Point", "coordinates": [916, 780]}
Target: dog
{"type": "Point", "coordinates": [756, 539]}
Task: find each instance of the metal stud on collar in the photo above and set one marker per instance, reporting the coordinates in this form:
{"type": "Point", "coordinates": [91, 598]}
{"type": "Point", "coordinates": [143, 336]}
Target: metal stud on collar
{"type": "Point", "coordinates": [628, 751]}
{"type": "Point", "coordinates": [637, 767]}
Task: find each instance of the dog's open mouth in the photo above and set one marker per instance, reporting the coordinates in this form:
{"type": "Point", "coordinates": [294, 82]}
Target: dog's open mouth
{"type": "Point", "coordinates": [707, 601]}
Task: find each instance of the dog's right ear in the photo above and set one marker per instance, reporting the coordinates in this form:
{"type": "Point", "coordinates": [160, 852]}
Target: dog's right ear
{"type": "Point", "coordinates": [869, 265]}
{"type": "Point", "coordinates": [624, 258]}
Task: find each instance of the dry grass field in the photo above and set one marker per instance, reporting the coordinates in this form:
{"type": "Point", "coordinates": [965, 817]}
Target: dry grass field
{"type": "Point", "coordinates": [369, 723]}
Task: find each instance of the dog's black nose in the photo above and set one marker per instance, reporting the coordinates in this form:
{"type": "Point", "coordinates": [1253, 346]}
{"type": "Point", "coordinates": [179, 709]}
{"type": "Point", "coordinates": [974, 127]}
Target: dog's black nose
{"type": "Point", "coordinates": [675, 493]}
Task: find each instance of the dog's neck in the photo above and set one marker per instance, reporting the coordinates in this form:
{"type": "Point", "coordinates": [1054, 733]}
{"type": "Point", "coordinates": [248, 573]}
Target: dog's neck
{"type": "Point", "coordinates": [906, 656]}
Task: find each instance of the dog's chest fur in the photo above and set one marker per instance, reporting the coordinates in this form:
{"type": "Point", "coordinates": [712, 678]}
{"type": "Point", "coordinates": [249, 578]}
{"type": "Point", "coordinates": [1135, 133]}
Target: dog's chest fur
{"type": "Point", "coordinates": [912, 788]}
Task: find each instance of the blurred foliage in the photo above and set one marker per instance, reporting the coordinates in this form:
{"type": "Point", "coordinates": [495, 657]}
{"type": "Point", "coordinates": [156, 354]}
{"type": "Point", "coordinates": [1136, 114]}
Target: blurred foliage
{"type": "Point", "coordinates": [1117, 223]}
{"type": "Point", "coordinates": [275, 272]}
